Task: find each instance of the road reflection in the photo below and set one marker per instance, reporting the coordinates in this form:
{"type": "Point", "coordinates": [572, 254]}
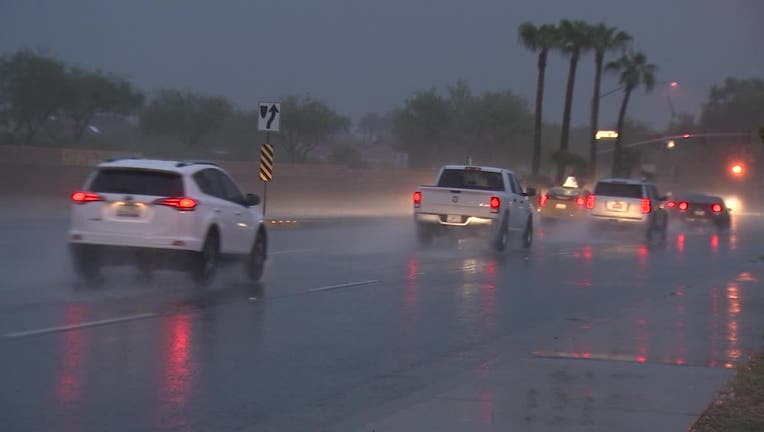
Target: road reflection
{"type": "Point", "coordinates": [177, 378]}
{"type": "Point", "coordinates": [71, 381]}
{"type": "Point", "coordinates": [733, 325]}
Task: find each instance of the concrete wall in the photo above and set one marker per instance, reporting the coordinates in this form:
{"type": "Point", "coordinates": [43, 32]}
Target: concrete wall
{"type": "Point", "coordinates": [296, 190]}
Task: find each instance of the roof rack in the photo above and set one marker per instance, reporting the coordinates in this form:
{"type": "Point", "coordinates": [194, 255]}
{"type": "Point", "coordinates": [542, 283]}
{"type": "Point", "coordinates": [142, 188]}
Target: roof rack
{"type": "Point", "coordinates": [194, 162]}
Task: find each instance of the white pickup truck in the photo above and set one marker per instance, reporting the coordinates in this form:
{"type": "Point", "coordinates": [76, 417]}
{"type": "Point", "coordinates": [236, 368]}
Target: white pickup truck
{"type": "Point", "coordinates": [468, 200]}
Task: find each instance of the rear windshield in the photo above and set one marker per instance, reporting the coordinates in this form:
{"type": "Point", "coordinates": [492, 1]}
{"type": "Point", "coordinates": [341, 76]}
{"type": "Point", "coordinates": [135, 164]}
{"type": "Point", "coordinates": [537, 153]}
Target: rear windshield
{"type": "Point", "coordinates": [471, 179]}
{"type": "Point", "coordinates": [137, 182]}
{"type": "Point", "coordinates": [564, 192]}
{"type": "Point", "coordinates": [619, 190]}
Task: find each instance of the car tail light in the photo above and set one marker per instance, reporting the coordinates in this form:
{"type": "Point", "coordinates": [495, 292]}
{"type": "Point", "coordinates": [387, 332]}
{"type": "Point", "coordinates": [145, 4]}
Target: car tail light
{"type": "Point", "coordinates": [417, 199]}
{"type": "Point", "coordinates": [495, 204]}
{"type": "Point", "coordinates": [81, 197]}
{"type": "Point", "coordinates": [543, 198]}
{"type": "Point", "coordinates": [182, 203]}
{"type": "Point", "coordinates": [683, 206]}
{"type": "Point", "coordinates": [716, 208]}
{"type": "Point", "coordinates": [580, 201]}
{"type": "Point", "coordinates": [647, 206]}
{"type": "Point", "coordinates": [590, 200]}
{"type": "Point", "coordinates": [670, 204]}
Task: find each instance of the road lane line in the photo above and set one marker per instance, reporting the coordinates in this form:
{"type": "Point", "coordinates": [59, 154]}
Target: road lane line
{"type": "Point", "coordinates": [346, 285]}
{"type": "Point", "coordinates": [293, 251]}
{"type": "Point", "coordinates": [86, 324]}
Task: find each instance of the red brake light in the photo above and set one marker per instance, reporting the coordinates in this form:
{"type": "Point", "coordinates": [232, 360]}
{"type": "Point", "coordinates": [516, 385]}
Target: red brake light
{"type": "Point", "coordinates": [543, 199]}
{"type": "Point", "coordinates": [80, 197]}
{"type": "Point", "coordinates": [417, 199]}
{"type": "Point", "coordinates": [716, 208]}
{"type": "Point", "coordinates": [683, 206]}
{"type": "Point", "coordinates": [670, 204]}
{"type": "Point", "coordinates": [590, 200]}
{"type": "Point", "coordinates": [495, 204]}
{"type": "Point", "coordinates": [647, 206]}
{"type": "Point", "coordinates": [182, 203]}
{"type": "Point", "coordinates": [580, 201]}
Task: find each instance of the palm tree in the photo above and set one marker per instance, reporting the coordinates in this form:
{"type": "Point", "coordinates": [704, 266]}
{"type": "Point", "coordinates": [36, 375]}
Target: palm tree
{"type": "Point", "coordinates": [633, 70]}
{"type": "Point", "coordinates": [575, 38]}
{"type": "Point", "coordinates": [603, 39]}
{"type": "Point", "coordinates": [538, 39]}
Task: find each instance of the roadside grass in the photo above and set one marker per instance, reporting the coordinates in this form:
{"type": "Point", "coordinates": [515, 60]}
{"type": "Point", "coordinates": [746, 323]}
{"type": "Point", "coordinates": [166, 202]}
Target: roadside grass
{"type": "Point", "coordinates": [739, 407]}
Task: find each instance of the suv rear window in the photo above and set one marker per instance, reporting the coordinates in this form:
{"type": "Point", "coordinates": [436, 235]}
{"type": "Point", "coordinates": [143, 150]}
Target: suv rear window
{"type": "Point", "coordinates": [471, 179]}
{"type": "Point", "coordinates": [137, 182]}
{"type": "Point", "coordinates": [622, 190]}
{"type": "Point", "coordinates": [557, 191]}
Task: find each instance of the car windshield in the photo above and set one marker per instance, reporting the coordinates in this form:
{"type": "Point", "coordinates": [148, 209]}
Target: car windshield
{"type": "Point", "coordinates": [471, 179]}
{"type": "Point", "coordinates": [624, 190]}
{"type": "Point", "coordinates": [137, 182]}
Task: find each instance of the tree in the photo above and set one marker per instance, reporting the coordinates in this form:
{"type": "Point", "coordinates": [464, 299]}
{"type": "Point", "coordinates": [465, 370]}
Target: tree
{"type": "Point", "coordinates": [306, 124]}
{"type": "Point", "coordinates": [634, 71]}
{"type": "Point", "coordinates": [34, 88]}
{"type": "Point", "coordinates": [375, 128]}
{"type": "Point", "coordinates": [539, 40]}
{"type": "Point", "coordinates": [421, 127]}
{"type": "Point", "coordinates": [94, 92]}
{"type": "Point", "coordinates": [603, 40]}
{"type": "Point", "coordinates": [737, 105]}
{"type": "Point", "coordinates": [187, 115]}
{"type": "Point", "coordinates": [575, 38]}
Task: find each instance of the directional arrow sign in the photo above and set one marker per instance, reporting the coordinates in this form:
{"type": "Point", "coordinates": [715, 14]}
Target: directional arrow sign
{"type": "Point", "coordinates": [269, 116]}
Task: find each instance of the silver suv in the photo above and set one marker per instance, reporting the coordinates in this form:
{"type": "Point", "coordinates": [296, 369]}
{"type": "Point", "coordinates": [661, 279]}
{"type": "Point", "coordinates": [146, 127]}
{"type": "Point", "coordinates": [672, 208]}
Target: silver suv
{"type": "Point", "coordinates": [630, 203]}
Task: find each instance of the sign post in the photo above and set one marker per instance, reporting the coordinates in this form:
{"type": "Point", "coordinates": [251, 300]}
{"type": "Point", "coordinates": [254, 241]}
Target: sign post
{"type": "Point", "coordinates": [268, 120]}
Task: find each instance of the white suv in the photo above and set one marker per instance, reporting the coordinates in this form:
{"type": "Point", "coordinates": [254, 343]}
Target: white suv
{"type": "Point", "coordinates": [630, 203]}
{"type": "Point", "coordinates": [160, 214]}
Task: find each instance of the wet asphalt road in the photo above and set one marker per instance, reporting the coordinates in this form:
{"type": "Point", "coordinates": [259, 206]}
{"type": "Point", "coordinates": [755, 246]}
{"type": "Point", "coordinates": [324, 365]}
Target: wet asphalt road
{"type": "Point", "coordinates": [352, 322]}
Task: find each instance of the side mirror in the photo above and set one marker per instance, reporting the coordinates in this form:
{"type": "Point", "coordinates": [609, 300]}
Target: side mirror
{"type": "Point", "coordinates": [252, 200]}
{"type": "Point", "coordinates": [530, 192]}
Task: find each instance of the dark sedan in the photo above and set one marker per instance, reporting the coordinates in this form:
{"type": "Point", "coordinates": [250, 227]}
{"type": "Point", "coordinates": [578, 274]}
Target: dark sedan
{"type": "Point", "coordinates": [693, 208]}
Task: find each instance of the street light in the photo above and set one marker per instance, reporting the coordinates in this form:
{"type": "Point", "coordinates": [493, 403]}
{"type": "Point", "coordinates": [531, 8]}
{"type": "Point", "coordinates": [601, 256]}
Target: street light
{"type": "Point", "coordinates": [737, 169]}
{"type": "Point", "coordinates": [670, 144]}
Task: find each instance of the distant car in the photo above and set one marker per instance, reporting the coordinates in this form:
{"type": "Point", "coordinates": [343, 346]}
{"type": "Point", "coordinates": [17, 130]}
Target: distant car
{"type": "Point", "coordinates": [628, 203]}
{"type": "Point", "coordinates": [562, 203]}
{"type": "Point", "coordinates": [694, 208]}
{"type": "Point", "coordinates": [156, 213]}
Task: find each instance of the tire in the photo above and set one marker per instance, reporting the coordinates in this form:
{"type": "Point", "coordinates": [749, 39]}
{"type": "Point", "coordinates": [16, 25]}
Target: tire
{"type": "Point", "coordinates": [424, 235]}
{"type": "Point", "coordinates": [205, 262]}
{"type": "Point", "coordinates": [256, 259]}
{"type": "Point", "coordinates": [86, 262]}
{"type": "Point", "coordinates": [528, 234]}
{"type": "Point", "coordinates": [502, 237]}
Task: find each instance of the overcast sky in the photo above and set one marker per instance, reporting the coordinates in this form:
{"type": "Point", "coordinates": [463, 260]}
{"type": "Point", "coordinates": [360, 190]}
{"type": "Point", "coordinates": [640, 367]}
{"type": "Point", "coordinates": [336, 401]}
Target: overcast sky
{"type": "Point", "coordinates": [361, 55]}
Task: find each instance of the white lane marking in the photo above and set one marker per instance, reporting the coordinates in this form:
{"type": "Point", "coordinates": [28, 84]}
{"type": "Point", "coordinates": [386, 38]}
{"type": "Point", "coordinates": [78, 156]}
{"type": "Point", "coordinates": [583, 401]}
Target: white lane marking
{"type": "Point", "coordinates": [78, 326]}
{"type": "Point", "coordinates": [293, 251]}
{"type": "Point", "coordinates": [346, 285]}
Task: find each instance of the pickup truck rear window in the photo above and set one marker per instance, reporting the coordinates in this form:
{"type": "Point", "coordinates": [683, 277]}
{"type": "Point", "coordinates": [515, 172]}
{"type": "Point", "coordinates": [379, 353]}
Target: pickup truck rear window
{"type": "Point", "coordinates": [137, 182]}
{"type": "Point", "coordinates": [623, 190]}
{"type": "Point", "coordinates": [472, 179]}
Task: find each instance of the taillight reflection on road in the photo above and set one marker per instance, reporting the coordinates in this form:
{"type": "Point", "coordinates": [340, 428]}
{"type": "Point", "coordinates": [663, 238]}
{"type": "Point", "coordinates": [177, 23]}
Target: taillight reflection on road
{"type": "Point", "coordinates": [714, 242]}
{"type": "Point", "coordinates": [177, 370]}
{"type": "Point", "coordinates": [74, 352]}
{"type": "Point", "coordinates": [680, 242]}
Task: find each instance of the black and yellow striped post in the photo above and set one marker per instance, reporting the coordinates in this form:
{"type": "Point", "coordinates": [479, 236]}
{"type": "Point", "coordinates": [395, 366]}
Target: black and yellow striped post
{"type": "Point", "coordinates": [266, 162]}
{"type": "Point", "coordinates": [266, 170]}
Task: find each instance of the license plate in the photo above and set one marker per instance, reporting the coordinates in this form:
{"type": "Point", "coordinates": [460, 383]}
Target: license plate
{"type": "Point", "coordinates": [617, 205]}
{"type": "Point", "coordinates": [128, 210]}
{"type": "Point", "coordinates": [454, 219]}
{"type": "Point", "coordinates": [699, 213]}
{"type": "Point", "coordinates": [560, 206]}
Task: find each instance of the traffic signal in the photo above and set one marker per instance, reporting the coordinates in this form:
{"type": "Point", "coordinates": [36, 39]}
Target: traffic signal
{"type": "Point", "coordinates": [737, 169]}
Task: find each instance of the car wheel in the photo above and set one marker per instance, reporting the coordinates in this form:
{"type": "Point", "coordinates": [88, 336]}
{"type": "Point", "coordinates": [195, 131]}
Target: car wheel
{"type": "Point", "coordinates": [86, 261]}
{"type": "Point", "coordinates": [256, 259]}
{"type": "Point", "coordinates": [205, 262]}
{"type": "Point", "coordinates": [502, 237]}
{"type": "Point", "coordinates": [528, 234]}
{"type": "Point", "coordinates": [424, 235]}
